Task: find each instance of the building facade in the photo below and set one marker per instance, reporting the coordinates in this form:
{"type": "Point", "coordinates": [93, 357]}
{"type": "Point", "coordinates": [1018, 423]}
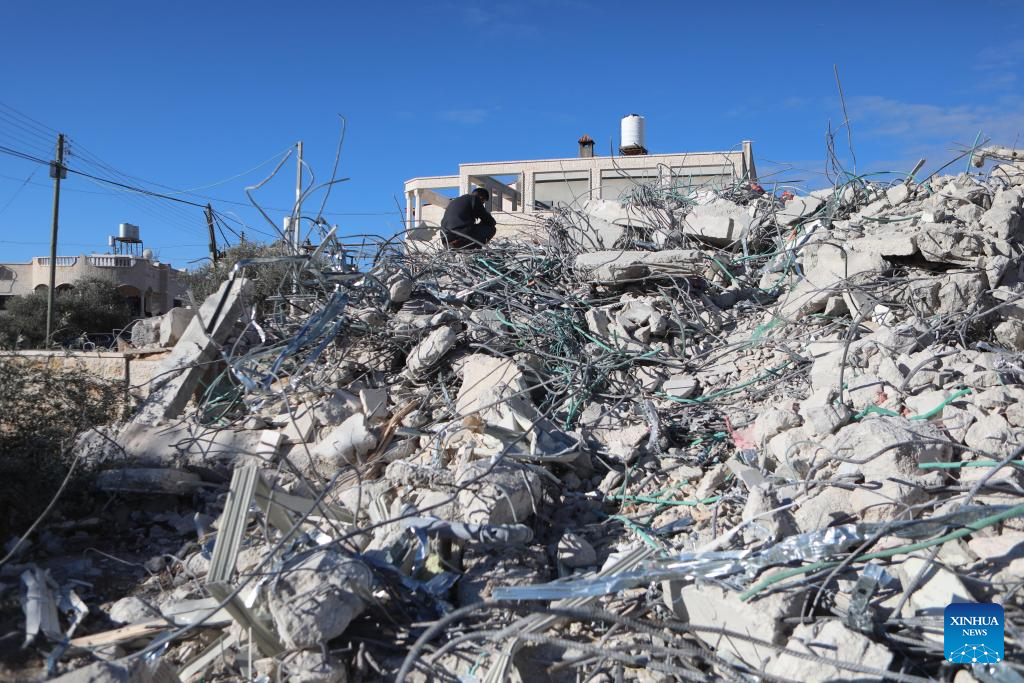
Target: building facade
{"type": "Point", "coordinates": [150, 287]}
{"type": "Point", "coordinates": [521, 189]}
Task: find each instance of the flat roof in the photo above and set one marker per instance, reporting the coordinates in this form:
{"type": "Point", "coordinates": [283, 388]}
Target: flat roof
{"type": "Point", "coordinates": [597, 158]}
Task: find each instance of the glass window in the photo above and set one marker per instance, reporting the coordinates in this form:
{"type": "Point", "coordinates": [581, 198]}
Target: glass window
{"type": "Point", "coordinates": [620, 182]}
{"type": "Point", "coordinates": [560, 188]}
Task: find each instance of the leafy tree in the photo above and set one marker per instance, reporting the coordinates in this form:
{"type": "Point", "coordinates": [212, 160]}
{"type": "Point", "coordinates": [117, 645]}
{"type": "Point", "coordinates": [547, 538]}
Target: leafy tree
{"type": "Point", "coordinates": [268, 278]}
{"type": "Point", "coordinates": [92, 306]}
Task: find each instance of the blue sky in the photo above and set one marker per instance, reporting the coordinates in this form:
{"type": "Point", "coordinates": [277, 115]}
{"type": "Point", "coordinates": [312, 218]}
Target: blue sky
{"type": "Point", "coordinates": [189, 94]}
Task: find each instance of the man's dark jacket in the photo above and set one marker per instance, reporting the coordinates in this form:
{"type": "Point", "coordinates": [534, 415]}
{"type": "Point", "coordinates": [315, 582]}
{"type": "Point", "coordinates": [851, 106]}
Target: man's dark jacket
{"type": "Point", "coordinates": [464, 211]}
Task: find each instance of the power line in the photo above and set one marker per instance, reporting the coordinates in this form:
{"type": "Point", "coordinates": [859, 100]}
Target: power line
{"type": "Point", "coordinates": [31, 121]}
{"type": "Point", "coordinates": [95, 244]}
{"type": "Point", "coordinates": [18, 191]}
{"type": "Point", "coordinates": [171, 213]}
{"type": "Point", "coordinates": [39, 184]}
{"type": "Point", "coordinates": [106, 181]}
{"type": "Point", "coordinates": [20, 125]}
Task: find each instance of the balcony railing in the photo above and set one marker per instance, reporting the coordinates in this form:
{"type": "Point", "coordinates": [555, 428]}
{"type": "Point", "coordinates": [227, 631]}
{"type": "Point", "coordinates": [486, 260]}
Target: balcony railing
{"type": "Point", "coordinates": [110, 261]}
{"type": "Point", "coordinates": [62, 261]}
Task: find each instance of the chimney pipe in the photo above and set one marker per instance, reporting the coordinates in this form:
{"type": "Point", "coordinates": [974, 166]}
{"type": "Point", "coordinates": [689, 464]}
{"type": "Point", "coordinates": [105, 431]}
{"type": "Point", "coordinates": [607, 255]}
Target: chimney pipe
{"type": "Point", "coordinates": [586, 147]}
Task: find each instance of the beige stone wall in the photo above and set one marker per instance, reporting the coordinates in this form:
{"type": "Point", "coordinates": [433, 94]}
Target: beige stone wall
{"type": "Point", "coordinates": [139, 368]}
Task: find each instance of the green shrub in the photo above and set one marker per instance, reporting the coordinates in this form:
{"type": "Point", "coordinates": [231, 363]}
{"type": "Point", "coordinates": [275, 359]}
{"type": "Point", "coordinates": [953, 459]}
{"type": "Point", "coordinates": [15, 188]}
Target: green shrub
{"type": "Point", "coordinates": [93, 306]}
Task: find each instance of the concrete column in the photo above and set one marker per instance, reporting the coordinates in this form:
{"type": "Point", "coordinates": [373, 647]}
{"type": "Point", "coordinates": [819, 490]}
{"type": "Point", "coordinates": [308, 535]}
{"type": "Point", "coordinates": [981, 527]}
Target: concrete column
{"type": "Point", "coordinates": [408, 210]}
{"type": "Point", "coordinates": [417, 216]}
{"type": "Point", "coordinates": [748, 160]}
{"type": "Point", "coordinates": [527, 191]}
{"type": "Point", "coordinates": [595, 183]}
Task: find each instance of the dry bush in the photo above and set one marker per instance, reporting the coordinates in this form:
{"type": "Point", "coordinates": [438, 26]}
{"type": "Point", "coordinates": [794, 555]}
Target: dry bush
{"type": "Point", "coordinates": [42, 410]}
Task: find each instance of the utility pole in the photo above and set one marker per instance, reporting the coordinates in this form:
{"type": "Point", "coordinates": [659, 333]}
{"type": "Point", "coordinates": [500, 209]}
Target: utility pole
{"type": "Point", "coordinates": [297, 222]}
{"type": "Point", "coordinates": [56, 172]}
{"type": "Point", "coordinates": [213, 237]}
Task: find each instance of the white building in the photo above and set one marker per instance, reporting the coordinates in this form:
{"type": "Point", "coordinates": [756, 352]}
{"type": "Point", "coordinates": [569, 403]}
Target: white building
{"type": "Point", "coordinates": [522, 189]}
{"type": "Point", "coordinates": [150, 287]}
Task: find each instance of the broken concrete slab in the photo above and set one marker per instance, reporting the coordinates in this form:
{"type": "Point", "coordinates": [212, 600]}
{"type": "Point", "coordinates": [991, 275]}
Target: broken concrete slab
{"type": "Point", "coordinates": [181, 371]}
{"type": "Point", "coordinates": [317, 597]}
{"type": "Point", "coordinates": [826, 641]}
{"type": "Point", "coordinates": [348, 444]}
{"type": "Point", "coordinates": [574, 551]}
{"type": "Point", "coordinates": [497, 493]}
{"type": "Point", "coordinates": [127, 670]}
{"type": "Point", "coordinates": [680, 385]}
{"type": "Point", "coordinates": [173, 324]}
{"type": "Point", "coordinates": [146, 333]}
{"type": "Point", "coordinates": [887, 451]}
{"type": "Point", "coordinates": [797, 209]}
{"type": "Point", "coordinates": [428, 352]}
{"type": "Point", "coordinates": [131, 610]}
{"type": "Point", "coordinates": [939, 587]}
{"type": "Point", "coordinates": [494, 390]}
{"type": "Point", "coordinates": [184, 444]}
{"type": "Point", "coordinates": [707, 605]}
{"type": "Point", "coordinates": [1003, 219]}
{"type": "Point", "coordinates": [719, 223]}
{"type": "Point", "coordinates": [627, 266]}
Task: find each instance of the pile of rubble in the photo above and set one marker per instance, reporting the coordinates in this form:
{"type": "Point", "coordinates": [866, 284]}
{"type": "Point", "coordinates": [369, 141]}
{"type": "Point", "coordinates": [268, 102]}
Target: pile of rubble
{"type": "Point", "coordinates": [699, 434]}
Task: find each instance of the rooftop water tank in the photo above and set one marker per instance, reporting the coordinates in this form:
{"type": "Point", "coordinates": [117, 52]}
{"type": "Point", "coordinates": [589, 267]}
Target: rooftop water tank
{"type": "Point", "coordinates": [127, 231]}
{"type": "Point", "coordinates": [632, 135]}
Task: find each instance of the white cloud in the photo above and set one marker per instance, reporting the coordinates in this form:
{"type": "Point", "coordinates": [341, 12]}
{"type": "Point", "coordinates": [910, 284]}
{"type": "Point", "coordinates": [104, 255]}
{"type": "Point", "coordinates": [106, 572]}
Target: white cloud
{"type": "Point", "coordinates": [998, 66]}
{"type": "Point", "coordinates": [916, 122]}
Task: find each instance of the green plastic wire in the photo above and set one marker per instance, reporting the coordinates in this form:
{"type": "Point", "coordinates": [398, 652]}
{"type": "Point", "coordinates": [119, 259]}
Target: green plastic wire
{"type": "Point", "coordinates": [644, 536]}
{"type": "Point", "coordinates": [725, 270]}
{"type": "Point", "coordinates": [760, 330]}
{"type": "Point", "coordinates": [878, 410]}
{"type": "Point", "coordinates": [970, 157]}
{"type": "Point", "coordinates": [723, 392]}
{"type": "Point", "coordinates": [967, 529]}
{"type": "Point", "coordinates": [666, 501]}
{"type": "Point", "coordinates": [968, 463]}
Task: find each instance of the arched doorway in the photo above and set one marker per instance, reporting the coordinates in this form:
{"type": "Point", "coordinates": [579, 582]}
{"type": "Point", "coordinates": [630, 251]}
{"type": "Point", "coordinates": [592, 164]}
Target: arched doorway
{"type": "Point", "coordinates": [133, 297]}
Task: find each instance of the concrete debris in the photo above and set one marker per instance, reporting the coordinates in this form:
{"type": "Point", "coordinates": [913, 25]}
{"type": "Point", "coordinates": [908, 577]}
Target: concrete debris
{"type": "Point", "coordinates": [719, 223]}
{"type": "Point", "coordinates": [128, 670]}
{"type": "Point", "coordinates": [711, 606]}
{"type": "Point", "coordinates": [131, 610]}
{"type": "Point", "coordinates": [631, 266]}
{"type": "Point", "coordinates": [574, 551]}
{"type": "Point", "coordinates": [503, 493]}
{"type": "Point", "coordinates": [173, 324]}
{"type": "Point", "coordinates": [148, 481]}
{"type": "Point", "coordinates": [349, 443]}
{"type": "Point", "coordinates": [181, 372]}
{"type": "Point", "coordinates": [829, 640]}
{"type": "Point", "coordinates": [718, 400]}
{"type": "Point", "coordinates": [428, 352]}
{"type": "Point", "coordinates": [317, 598]}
